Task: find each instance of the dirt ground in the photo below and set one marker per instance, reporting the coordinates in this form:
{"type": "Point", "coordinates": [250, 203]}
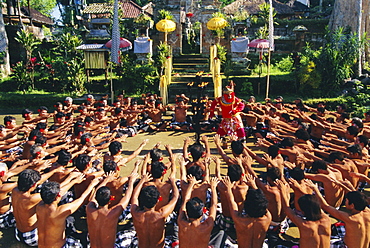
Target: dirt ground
{"type": "Point", "coordinates": [175, 139]}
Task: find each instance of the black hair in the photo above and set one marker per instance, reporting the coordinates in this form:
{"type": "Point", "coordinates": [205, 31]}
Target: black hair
{"type": "Point", "coordinates": [355, 149]}
{"type": "Point", "coordinates": [286, 142]}
{"type": "Point", "coordinates": [59, 115]}
{"type": "Point", "coordinates": [82, 161]}
{"type": "Point", "coordinates": [273, 151]}
{"type": "Point", "coordinates": [25, 112]}
{"type": "Point", "coordinates": [352, 130]}
{"type": "Point", "coordinates": [100, 109]}
{"type": "Point", "coordinates": [27, 179]}
{"type": "Point", "coordinates": [35, 149]}
{"type": "Point", "coordinates": [363, 139]}
{"type": "Point", "coordinates": [319, 164]}
{"type": "Point", "coordinates": [234, 171]}
{"type": "Point", "coordinates": [117, 111]}
{"type": "Point", "coordinates": [196, 150]}
{"type": "Point", "coordinates": [88, 119]}
{"type": "Point", "coordinates": [343, 106]}
{"type": "Point", "coordinates": [34, 134]}
{"type": "Point", "coordinates": [155, 154]}
{"type": "Point", "coordinates": [196, 171]}
{"type": "Point", "coordinates": [335, 155]}
{"type": "Point", "coordinates": [49, 191]}
{"type": "Point", "coordinates": [78, 130]}
{"type": "Point", "coordinates": [286, 117]}
{"type": "Point", "coordinates": [302, 134]}
{"type": "Point", "coordinates": [63, 157]}
{"type": "Point", "coordinates": [358, 122]}
{"type": "Point", "coordinates": [179, 99]}
{"type": "Point", "coordinates": [40, 140]}
{"type": "Point", "coordinates": [237, 147]}
{"type": "Point", "coordinates": [41, 125]}
{"type": "Point", "coordinates": [102, 196]}
{"type": "Point", "coordinates": [8, 118]}
{"type": "Point", "coordinates": [314, 117]}
{"type": "Point", "coordinates": [115, 147]}
{"type": "Point", "coordinates": [330, 119]}
{"type": "Point", "coordinates": [148, 196]}
{"type": "Point", "coordinates": [357, 198]}
{"type": "Point", "coordinates": [109, 166]}
{"type": "Point", "coordinates": [255, 204]}
{"type": "Point", "coordinates": [194, 208]}
{"type": "Point", "coordinates": [297, 173]}
{"type": "Point", "coordinates": [321, 110]}
{"type": "Point", "coordinates": [310, 206]}
{"type": "Point", "coordinates": [344, 115]}
{"type": "Point", "coordinates": [157, 169]}
{"type": "Point", "coordinates": [41, 108]}
{"type": "Point", "coordinates": [84, 137]}
{"type": "Point", "coordinates": [273, 173]}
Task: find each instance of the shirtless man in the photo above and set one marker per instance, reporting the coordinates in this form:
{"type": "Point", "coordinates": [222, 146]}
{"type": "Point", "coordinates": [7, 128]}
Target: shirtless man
{"type": "Point", "coordinates": [298, 185]}
{"type": "Point", "coordinates": [24, 205]}
{"type": "Point", "coordinates": [155, 111]}
{"type": "Point", "coordinates": [101, 219]}
{"type": "Point", "coordinates": [180, 119]}
{"type": "Point", "coordinates": [239, 190]}
{"type": "Point", "coordinates": [52, 218]}
{"type": "Point", "coordinates": [158, 171]}
{"type": "Point", "coordinates": [148, 222]}
{"type": "Point", "coordinates": [315, 229]}
{"type": "Point", "coordinates": [193, 231]}
{"type": "Point", "coordinates": [202, 176]}
{"type": "Point", "coordinates": [250, 228]}
{"type": "Point", "coordinates": [115, 153]}
{"type": "Point", "coordinates": [197, 152]}
{"type": "Point", "coordinates": [333, 192]}
{"type": "Point", "coordinates": [357, 221]}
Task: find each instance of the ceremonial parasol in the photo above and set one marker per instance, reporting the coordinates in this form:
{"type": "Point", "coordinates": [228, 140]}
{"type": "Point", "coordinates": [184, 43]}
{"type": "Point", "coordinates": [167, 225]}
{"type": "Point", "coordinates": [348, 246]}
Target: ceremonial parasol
{"type": "Point", "coordinates": [166, 26]}
{"type": "Point", "coordinates": [216, 23]}
{"type": "Point", "coordinates": [123, 43]}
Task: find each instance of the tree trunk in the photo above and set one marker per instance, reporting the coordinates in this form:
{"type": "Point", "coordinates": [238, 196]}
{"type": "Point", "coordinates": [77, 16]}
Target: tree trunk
{"type": "Point", "coordinates": [4, 64]}
{"type": "Point", "coordinates": [355, 15]}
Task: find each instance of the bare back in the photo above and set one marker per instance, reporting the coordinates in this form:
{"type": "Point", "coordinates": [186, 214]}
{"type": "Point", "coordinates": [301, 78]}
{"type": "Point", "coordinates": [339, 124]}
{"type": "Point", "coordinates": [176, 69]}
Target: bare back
{"type": "Point", "coordinates": [358, 230]}
{"type": "Point", "coordinates": [102, 225]}
{"type": "Point", "coordinates": [24, 210]}
{"type": "Point", "coordinates": [251, 232]}
{"type": "Point", "coordinates": [239, 192]}
{"type": "Point", "coordinates": [315, 233]}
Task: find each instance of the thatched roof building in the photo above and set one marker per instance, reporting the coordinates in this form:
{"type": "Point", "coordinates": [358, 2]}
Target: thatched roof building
{"type": "Point", "coordinates": [252, 7]}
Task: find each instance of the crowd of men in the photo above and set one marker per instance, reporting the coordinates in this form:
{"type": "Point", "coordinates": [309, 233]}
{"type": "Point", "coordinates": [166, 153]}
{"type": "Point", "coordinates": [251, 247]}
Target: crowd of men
{"type": "Point", "coordinates": [316, 162]}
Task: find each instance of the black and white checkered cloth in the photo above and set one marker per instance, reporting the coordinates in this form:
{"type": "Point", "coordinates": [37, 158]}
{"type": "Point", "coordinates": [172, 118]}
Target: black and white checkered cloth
{"type": "Point", "coordinates": [72, 242]}
{"type": "Point", "coordinates": [224, 223]}
{"type": "Point", "coordinates": [338, 231]}
{"type": "Point", "coordinates": [124, 239]}
{"type": "Point", "coordinates": [7, 220]}
{"type": "Point", "coordinates": [29, 238]}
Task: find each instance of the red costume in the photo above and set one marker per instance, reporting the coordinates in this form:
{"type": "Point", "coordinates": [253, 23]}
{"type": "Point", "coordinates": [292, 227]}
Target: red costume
{"type": "Point", "coordinates": [231, 123]}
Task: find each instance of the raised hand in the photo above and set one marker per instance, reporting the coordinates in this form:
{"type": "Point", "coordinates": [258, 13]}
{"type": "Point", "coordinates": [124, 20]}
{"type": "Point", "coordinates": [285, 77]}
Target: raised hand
{"type": "Point", "coordinates": [147, 177]}
{"type": "Point", "coordinates": [134, 176]}
{"type": "Point", "coordinates": [250, 181]}
{"type": "Point", "coordinates": [217, 139]}
{"type": "Point", "coordinates": [192, 180]}
{"type": "Point", "coordinates": [228, 184]}
{"type": "Point", "coordinates": [214, 182]}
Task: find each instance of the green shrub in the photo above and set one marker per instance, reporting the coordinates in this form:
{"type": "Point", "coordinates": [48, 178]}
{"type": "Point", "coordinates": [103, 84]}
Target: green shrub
{"type": "Point", "coordinates": [286, 64]}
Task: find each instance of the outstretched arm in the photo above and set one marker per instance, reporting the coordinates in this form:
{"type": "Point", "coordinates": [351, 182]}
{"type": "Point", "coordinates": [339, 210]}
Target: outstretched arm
{"type": "Point", "coordinates": [212, 209]}
{"type": "Point", "coordinates": [167, 209]}
{"type": "Point", "coordinates": [230, 197]}
{"type": "Point", "coordinates": [137, 152]}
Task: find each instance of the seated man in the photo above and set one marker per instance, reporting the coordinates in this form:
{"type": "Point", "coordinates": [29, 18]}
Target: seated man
{"type": "Point", "coordinates": [250, 228]}
{"type": "Point", "coordinates": [314, 229]}
{"type": "Point", "coordinates": [194, 231]}
{"type": "Point", "coordinates": [102, 220]}
{"type": "Point", "coordinates": [148, 222]}
{"type": "Point", "coordinates": [357, 221]}
{"type": "Point", "coordinates": [52, 218]}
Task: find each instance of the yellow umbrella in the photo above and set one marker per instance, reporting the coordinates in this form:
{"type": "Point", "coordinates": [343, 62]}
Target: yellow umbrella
{"type": "Point", "coordinates": [216, 23]}
{"type": "Point", "coordinates": [166, 26]}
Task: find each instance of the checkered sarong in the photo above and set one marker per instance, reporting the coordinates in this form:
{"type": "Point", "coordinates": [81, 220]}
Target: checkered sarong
{"type": "Point", "coordinates": [71, 242]}
{"type": "Point", "coordinates": [224, 223]}
{"type": "Point", "coordinates": [29, 238]}
{"type": "Point", "coordinates": [124, 239]}
{"type": "Point", "coordinates": [7, 220]}
{"type": "Point", "coordinates": [338, 231]}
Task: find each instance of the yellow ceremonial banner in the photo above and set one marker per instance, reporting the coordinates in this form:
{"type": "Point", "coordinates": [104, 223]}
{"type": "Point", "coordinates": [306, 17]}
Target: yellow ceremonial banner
{"type": "Point", "coordinates": [217, 79]}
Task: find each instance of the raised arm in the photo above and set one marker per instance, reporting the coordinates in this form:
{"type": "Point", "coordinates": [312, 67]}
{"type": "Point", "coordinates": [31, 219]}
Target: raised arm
{"type": "Point", "coordinates": [331, 210]}
{"type": "Point", "coordinates": [212, 209]}
{"type": "Point", "coordinates": [182, 169]}
{"type": "Point", "coordinates": [185, 148]}
{"type": "Point", "coordinates": [217, 167]}
{"type": "Point", "coordinates": [192, 181]}
{"type": "Point", "coordinates": [217, 140]}
{"type": "Point", "coordinates": [166, 210]}
{"type": "Point", "coordinates": [135, 196]}
{"type": "Point", "coordinates": [204, 139]}
{"type": "Point", "coordinates": [126, 199]}
{"type": "Point", "coordinates": [230, 197]}
{"type": "Point", "coordinates": [284, 193]}
{"type": "Point", "coordinates": [137, 151]}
